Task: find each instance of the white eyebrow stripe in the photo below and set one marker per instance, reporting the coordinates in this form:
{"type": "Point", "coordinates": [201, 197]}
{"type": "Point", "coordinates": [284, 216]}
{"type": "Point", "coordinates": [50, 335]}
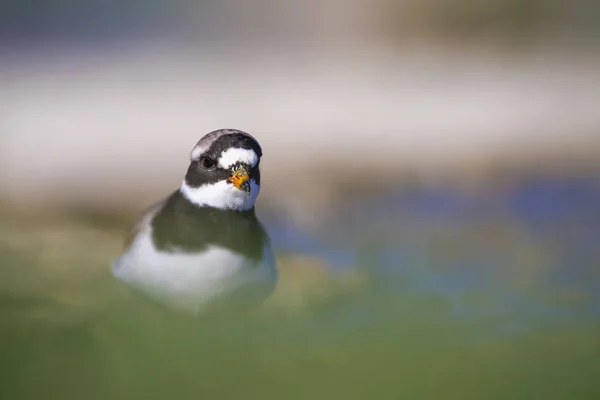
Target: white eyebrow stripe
{"type": "Point", "coordinates": [197, 152]}
{"type": "Point", "coordinates": [235, 155]}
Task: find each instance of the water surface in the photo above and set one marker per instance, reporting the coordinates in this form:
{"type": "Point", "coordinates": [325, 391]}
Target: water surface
{"type": "Point", "coordinates": [428, 293]}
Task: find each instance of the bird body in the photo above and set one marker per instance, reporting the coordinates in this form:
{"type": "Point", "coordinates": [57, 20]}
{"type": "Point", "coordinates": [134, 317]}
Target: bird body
{"type": "Point", "coordinates": [203, 244]}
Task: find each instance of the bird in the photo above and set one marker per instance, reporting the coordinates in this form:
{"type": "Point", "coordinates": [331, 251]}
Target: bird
{"type": "Point", "coordinates": [203, 245]}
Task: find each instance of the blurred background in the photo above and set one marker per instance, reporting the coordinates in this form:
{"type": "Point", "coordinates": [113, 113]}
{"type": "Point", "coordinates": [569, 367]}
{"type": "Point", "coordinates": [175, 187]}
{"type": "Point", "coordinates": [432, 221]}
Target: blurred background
{"type": "Point", "coordinates": [431, 182]}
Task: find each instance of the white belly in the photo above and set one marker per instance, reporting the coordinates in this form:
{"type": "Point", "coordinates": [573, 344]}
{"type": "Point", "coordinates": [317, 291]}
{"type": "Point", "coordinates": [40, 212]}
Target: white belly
{"type": "Point", "coordinates": [190, 280]}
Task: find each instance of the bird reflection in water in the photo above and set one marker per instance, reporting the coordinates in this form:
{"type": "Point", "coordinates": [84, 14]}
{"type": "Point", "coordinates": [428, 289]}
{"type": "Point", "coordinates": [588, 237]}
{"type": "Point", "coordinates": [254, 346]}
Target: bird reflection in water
{"type": "Point", "coordinates": [203, 248]}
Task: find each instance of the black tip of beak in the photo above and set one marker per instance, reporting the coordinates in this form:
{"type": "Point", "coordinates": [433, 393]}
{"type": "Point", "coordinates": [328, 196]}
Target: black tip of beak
{"type": "Point", "coordinates": [245, 186]}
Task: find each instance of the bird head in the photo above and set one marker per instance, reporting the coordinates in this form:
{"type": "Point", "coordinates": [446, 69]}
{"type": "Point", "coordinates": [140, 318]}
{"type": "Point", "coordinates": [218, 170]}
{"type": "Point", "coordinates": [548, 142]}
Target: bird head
{"type": "Point", "coordinates": [224, 171]}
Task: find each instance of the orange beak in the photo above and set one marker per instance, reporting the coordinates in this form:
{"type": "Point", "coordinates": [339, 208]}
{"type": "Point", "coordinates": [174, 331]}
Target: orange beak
{"type": "Point", "coordinates": [239, 179]}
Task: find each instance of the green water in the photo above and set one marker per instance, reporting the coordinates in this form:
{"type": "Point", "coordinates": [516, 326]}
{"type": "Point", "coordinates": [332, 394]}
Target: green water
{"type": "Point", "coordinates": [68, 330]}
{"type": "Point", "coordinates": [134, 351]}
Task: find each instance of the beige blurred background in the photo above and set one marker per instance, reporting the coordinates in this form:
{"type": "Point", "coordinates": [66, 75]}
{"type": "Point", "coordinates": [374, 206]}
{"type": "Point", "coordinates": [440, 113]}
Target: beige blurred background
{"type": "Point", "coordinates": [102, 101]}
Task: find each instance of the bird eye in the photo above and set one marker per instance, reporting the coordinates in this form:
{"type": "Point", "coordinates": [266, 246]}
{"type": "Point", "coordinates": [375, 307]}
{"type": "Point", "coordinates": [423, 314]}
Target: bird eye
{"type": "Point", "coordinates": [207, 163]}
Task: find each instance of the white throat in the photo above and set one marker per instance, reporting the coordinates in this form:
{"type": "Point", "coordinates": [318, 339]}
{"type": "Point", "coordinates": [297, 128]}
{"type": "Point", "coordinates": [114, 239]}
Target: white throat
{"type": "Point", "coordinates": [221, 195]}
